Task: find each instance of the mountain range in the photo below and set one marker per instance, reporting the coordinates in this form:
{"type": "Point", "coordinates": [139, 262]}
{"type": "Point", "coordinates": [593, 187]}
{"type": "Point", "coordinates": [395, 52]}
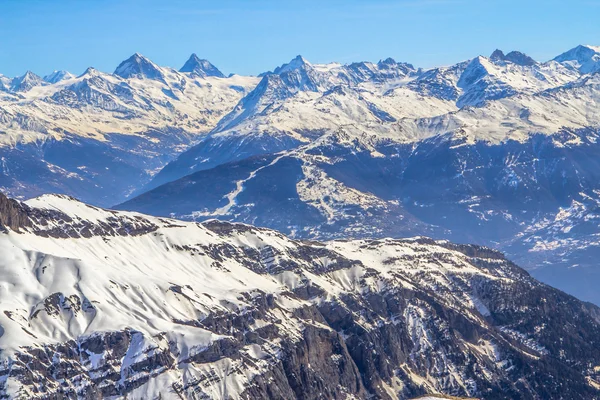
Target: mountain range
{"type": "Point", "coordinates": [500, 151]}
{"type": "Point", "coordinates": [99, 136]}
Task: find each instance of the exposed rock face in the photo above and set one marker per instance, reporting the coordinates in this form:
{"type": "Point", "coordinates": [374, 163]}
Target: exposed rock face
{"type": "Point", "coordinates": [189, 311]}
{"type": "Point", "coordinates": [515, 57]}
{"type": "Point", "coordinates": [12, 214]}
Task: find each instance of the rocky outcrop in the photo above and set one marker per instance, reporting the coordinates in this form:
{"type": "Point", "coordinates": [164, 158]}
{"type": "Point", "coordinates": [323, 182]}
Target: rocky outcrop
{"type": "Point", "coordinates": [13, 214]}
{"type": "Point", "coordinates": [18, 216]}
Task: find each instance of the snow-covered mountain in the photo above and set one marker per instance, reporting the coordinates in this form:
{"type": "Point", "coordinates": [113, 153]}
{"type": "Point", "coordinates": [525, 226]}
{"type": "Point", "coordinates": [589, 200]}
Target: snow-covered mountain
{"type": "Point", "coordinates": [323, 150]}
{"type": "Point", "coordinates": [138, 66]}
{"type": "Point", "coordinates": [58, 76]}
{"type": "Point", "coordinates": [200, 67]}
{"type": "Point", "coordinates": [101, 136]}
{"type": "Point", "coordinates": [165, 110]}
{"type": "Point", "coordinates": [98, 303]}
{"type": "Point", "coordinates": [26, 82]}
{"type": "Point", "coordinates": [300, 101]}
{"type": "Point", "coordinates": [585, 59]}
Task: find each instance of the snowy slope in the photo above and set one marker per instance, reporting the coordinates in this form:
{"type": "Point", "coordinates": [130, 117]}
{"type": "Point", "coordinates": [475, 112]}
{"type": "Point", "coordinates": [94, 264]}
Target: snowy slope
{"type": "Point", "coordinates": [295, 95]}
{"type": "Point", "coordinates": [477, 129]}
{"type": "Point", "coordinates": [121, 304]}
{"type": "Point", "coordinates": [572, 105]}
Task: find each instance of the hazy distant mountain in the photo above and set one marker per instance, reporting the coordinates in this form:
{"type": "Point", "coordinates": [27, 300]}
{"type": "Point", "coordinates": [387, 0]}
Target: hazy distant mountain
{"type": "Point", "coordinates": [25, 82]}
{"type": "Point", "coordinates": [299, 101]}
{"type": "Point", "coordinates": [101, 136]}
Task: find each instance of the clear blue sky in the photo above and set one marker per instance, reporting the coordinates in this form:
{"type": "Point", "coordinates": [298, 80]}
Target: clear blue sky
{"type": "Point", "coordinates": [249, 37]}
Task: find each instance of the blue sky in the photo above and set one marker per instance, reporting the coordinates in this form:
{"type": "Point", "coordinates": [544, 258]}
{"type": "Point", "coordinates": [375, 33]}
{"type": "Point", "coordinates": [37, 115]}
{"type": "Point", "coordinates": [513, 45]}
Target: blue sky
{"type": "Point", "coordinates": [249, 37]}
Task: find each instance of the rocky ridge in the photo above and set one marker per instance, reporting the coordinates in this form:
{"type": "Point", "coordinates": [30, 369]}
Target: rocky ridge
{"type": "Point", "coordinates": [220, 310]}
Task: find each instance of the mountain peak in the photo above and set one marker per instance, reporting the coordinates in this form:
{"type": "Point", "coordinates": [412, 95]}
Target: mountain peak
{"type": "Point", "coordinates": [475, 70]}
{"type": "Point", "coordinates": [387, 61]}
{"type": "Point", "coordinates": [585, 58]}
{"type": "Point", "coordinates": [201, 67]}
{"type": "Point", "coordinates": [497, 55]}
{"type": "Point", "coordinates": [296, 63]}
{"type": "Point", "coordinates": [585, 48]}
{"type": "Point", "coordinates": [30, 75]}
{"type": "Point", "coordinates": [90, 71]}
{"type": "Point", "coordinates": [390, 63]}
{"type": "Point", "coordinates": [579, 52]}
{"type": "Point", "coordinates": [26, 82]}
{"type": "Point", "coordinates": [57, 76]}
{"type": "Point", "coordinates": [515, 57]}
{"type": "Point", "coordinates": [520, 58]}
{"type": "Point", "coordinates": [138, 66]}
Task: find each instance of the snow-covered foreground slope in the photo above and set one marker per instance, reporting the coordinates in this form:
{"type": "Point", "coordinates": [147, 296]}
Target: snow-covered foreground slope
{"type": "Point", "coordinates": [115, 304]}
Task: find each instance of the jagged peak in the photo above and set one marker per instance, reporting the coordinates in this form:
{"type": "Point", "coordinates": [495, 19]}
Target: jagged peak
{"type": "Point", "coordinates": [497, 55]}
{"type": "Point", "coordinates": [28, 76]}
{"type": "Point", "coordinates": [577, 53]}
{"type": "Point", "coordinates": [585, 58]}
{"type": "Point", "coordinates": [138, 66]}
{"type": "Point", "coordinates": [392, 63]}
{"type": "Point", "coordinates": [136, 58]}
{"type": "Point", "coordinates": [90, 71]}
{"type": "Point", "coordinates": [297, 62]}
{"type": "Point", "coordinates": [201, 67]}
{"type": "Point", "coordinates": [476, 69]}
{"type": "Point", "coordinates": [520, 58]}
{"type": "Point", "coordinates": [515, 57]}
{"type": "Point", "coordinates": [478, 62]}
{"type": "Point", "coordinates": [387, 61]}
{"type": "Point", "coordinates": [25, 82]}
